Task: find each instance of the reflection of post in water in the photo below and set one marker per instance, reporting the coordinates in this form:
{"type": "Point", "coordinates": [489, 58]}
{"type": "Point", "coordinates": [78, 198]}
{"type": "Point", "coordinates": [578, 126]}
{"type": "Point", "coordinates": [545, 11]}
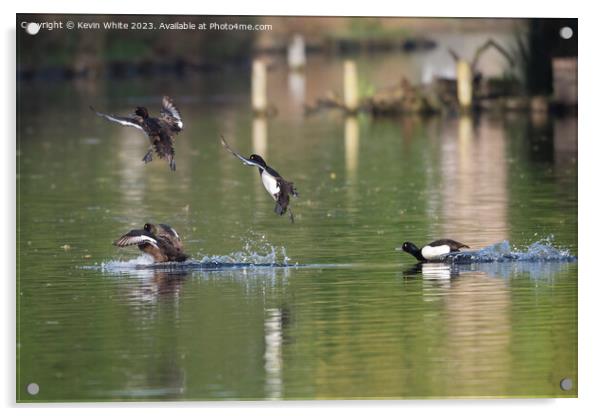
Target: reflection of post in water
{"type": "Point", "coordinates": [132, 180]}
{"type": "Point", "coordinates": [478, 335]}
{"type": "Point", "coordinates": [565, 144]}
{"type": "Point", "coordinates": [260, 136]}
{"type": "Point", "coordinates": [296, 86]}
{"type": "Point", "coordinates": [474, 172]}
{"type": "Point", "coordinates": [352, 145]}
{"type": "Point", "coordinates": [273, 326]}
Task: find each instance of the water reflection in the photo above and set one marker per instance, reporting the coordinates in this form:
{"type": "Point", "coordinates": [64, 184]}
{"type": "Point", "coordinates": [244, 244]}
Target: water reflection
{"type": "Point", "coordinates": [474, 182]}
{"type": "Point", "coordinates": [150, 285]}
{"type": "Point", "coordinates": [273, 353]}
{"type": "Point", "coordinates": [132, 145]}
{"type": "Point", "coordinates": [535, 270]}
{"type": "Point", "coordinates": [296, 87]}
{"type": "Point", "coordinates": [352, 146]}
{"type": "Point", "coordinates": [442, 329]}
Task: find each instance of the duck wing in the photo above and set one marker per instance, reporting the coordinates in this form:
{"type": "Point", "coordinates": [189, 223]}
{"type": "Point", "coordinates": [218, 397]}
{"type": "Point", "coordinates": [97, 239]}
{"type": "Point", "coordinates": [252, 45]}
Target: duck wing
{"type": "Point", "coordinates": [170, 234]}
{"type": "Point", "coordinates": [136, 238]}
{"type": "Point", "coordinates": [244, 160]}
{"type": "Point", "coordinates": [283, 198]}
{"type": "Point", "coordinates": [170, 115]}
{"type": "Point", "coordinates": [453, 245]}
{"type": "Point", "coordinates": [135, 121]}
{"type": "Point", "coordinates": [165, 149]}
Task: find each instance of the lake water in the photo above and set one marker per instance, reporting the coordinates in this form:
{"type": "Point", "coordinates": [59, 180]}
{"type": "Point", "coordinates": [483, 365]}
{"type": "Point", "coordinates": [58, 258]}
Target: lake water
{"type": "Point", "coordinates": [349, 317]}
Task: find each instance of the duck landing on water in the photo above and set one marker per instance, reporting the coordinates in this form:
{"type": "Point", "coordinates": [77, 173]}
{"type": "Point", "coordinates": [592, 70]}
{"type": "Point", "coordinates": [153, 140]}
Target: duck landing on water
{"type": "Point", "coordinates": [162, 242]}
{"type": "Point", "coordinates": [276, 185]}
{"type": "Point", "coordinates": [160, 130]}
{"type": "Point", "coordinates": [432, 252]}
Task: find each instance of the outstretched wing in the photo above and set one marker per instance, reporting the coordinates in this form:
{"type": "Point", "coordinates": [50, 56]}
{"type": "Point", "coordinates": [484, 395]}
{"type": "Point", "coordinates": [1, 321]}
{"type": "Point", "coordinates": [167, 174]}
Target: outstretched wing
{"type": "Point", "coordinates": [135, 121]}
{"type": "Point", "coordinates": [171, 115]}
{"type": "Point", "coordinates": [169, 230]}
{"type": "Point", "coordinates": [283, 198]}
{"type": "Point", "coordinates": [244, 160]}
{"type": "Point", "coordinates": [135, 238]}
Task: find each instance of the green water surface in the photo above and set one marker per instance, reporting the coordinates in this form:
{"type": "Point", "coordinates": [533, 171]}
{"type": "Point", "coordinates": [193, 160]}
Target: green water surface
{"type": "Point", "coordinates": [357, 320]}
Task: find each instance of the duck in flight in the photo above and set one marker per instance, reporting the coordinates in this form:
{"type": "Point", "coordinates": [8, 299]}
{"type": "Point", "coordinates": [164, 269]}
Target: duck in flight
{"type": "Point", "coordinates": [161, 241]}
{"type": "Point", "coordinates": [276, 185]}
{"type": "Point", "coordinates": [160, 130]}
{"type": "Point", "coordinates": [432, 252]}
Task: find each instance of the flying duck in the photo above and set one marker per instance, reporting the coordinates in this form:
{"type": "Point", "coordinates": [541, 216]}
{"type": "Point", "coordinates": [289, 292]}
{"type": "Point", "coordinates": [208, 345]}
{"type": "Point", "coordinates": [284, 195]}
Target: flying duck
{"type": "Point", "coordinates": [432, 251]}
{"type": "Point", "coordinates": [160, 130]}
{"type": "Point", "coordinates": [276, 185]}
{"type": "Point", "coordinates": [162, 242]}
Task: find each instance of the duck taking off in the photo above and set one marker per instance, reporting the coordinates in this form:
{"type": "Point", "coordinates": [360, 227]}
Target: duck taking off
{"type": "Point", "coordinates": [276, 185]}
{"type": "Point", "coordinates": [162, 242]}
{"type": "Point", "coordinates": [160, 130]}
{"type": "Point", "coordinates": [432, 252]}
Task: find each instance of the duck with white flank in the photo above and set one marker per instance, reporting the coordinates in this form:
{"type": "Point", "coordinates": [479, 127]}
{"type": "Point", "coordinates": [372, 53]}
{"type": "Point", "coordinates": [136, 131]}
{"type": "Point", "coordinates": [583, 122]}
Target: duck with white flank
{"type": "Point", "coordinates": [160, 130]}
{"type": "Point", "coordinates": [433, 251]}
{"type": "Point", "coordinates": [162, 242]}
{"type": "Point", "coordinates": [277, 187]}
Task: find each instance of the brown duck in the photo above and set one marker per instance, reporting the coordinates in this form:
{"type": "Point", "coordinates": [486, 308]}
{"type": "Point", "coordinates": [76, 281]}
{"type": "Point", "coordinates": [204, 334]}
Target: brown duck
{"type": "Point", "coordinates": [162, 242]}
{"type": "Point", "coordinates": [160, 130]}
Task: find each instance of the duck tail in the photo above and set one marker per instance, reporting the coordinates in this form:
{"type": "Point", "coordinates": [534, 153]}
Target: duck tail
{"type": "Point", "coordinates": [182, 257]}
{"type": "Point", "coordinates": [165, 150]}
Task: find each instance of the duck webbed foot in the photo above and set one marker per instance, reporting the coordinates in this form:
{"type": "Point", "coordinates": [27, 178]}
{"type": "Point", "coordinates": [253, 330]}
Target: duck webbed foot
{"type": "Point", "coordinates": [148, 157]}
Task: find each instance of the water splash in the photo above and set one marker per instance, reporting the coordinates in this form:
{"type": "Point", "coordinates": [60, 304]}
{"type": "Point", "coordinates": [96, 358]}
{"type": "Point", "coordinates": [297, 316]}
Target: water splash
{"type": "Point", "coordinates": [256, 252]}
{"type": "Point", "coordinates": [539, 251]}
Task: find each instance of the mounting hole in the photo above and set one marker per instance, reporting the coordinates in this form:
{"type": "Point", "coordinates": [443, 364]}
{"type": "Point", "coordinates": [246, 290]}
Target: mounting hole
{"type": "Point", "coordinates": [32, 28]}
{"type": "Point", "coordinates": [33, 388]}
{"type": "Point", "coordinates": [566, 384]}
{"type": "Point", "coordinates": [566, 32]}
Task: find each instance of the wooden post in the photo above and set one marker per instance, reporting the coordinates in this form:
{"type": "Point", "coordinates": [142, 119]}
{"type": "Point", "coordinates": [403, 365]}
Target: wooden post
{"type": "Point", "coordinates": [296, 53]}
{"type": "Point", "coordinates": [350, 87]}
{"type": "Point", "coordinates": [259, 86]}
{"type": "Point", "coordinates": [565, 80]}
{"type": "Point", "coordinates": [464, 84]}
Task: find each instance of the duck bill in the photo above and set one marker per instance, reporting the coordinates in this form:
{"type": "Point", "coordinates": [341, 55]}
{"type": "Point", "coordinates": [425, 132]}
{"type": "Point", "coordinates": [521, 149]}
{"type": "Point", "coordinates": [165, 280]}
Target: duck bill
{"type": "Point", "coordinates": [398, 248]}
{"type": "Point", "coordinates": [246, 161]}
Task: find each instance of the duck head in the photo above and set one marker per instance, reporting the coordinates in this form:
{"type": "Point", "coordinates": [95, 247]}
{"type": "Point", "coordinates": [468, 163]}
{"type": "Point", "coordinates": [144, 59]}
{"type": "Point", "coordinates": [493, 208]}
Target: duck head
{"type": "Point", "coordinates": [410, 248]}
{"type": "Point", "coordinates": [150, 228]}
{"type": "Point", "coordinates": [258, 159]}
{"type": "Point", "coordinates": [142, 112]}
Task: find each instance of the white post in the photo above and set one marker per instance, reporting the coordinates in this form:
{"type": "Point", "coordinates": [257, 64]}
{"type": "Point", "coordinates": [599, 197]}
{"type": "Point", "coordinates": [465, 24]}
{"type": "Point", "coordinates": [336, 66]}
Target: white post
{"type": "Point", "coordinates": [296, 53]}
{"type": "Point", "coordinates": [259, 87]}
{"type": "Point", "coordinates": [464, 84]}
{"type": "Point", "coordinates": [350, 87]}
{"type": "Point", "coordinates": [260, 136]}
